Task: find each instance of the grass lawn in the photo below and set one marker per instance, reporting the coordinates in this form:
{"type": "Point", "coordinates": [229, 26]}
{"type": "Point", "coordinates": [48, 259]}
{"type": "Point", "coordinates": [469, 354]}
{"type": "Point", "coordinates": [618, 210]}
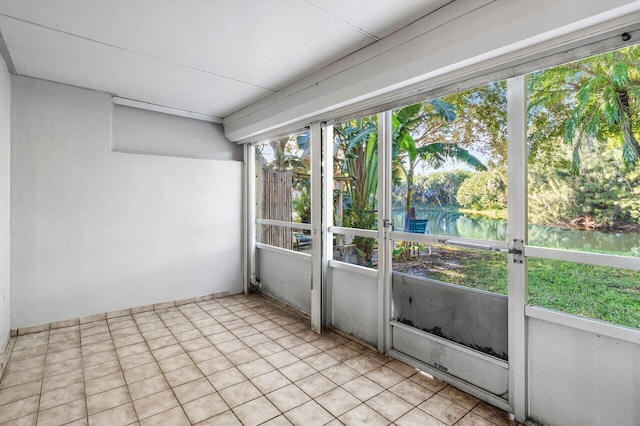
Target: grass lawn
{"type": "Point", "coordinates": [604, 293]}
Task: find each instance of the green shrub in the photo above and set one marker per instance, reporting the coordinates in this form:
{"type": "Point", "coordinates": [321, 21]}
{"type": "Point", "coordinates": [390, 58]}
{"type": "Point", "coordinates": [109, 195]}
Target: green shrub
{"type": "Point", "coordinates": [484, 191]}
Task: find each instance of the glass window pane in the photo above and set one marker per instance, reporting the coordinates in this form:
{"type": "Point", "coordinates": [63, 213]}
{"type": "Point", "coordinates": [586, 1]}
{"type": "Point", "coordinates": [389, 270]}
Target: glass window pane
{"type": "Point", "coordinates": [604, 293]}
{"type": "Point", "coordinates": [584, 174]}
{"type": "Point", "coordinates": [449, 165]}
{"type": "Point", "coordinates": [283, 190]}
{"type": "Point", "coordinates": [356, 250]}
{"type": "Point", "coordinates": [482, 270]}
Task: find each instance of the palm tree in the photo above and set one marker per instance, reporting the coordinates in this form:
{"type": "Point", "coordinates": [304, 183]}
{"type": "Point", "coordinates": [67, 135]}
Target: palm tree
{"type": "Point", "coordinates": [421, 134]}
{"type": "Point", "coordinates": [591, 99]}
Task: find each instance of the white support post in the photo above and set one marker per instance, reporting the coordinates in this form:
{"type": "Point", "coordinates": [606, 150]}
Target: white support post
{"type": "Point", "coordinates": [517, 234]}
{"type": "Point", "coordinates": [384, 227]}
{"type": "Point", "coordinates": [250, 217]}
{"type": "Point", "coordinates": [327, 220]}
{"type": "Point", "coordinates": [316, 227]}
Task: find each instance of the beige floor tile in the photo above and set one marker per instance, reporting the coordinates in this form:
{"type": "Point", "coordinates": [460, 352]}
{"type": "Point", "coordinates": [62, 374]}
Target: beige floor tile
{"type": "Point", "coordinates": [459, 397]}
{"type": "Point", "coordinates": [28, 353]}
{"type": "Point", "coordinates": [363, 415]}
{"type": "Point", "coordinates": [214, 365]}
{"type": "Point", "coordinates": [19, 408]}
{"type": "Point", "coordinates": [321, 361]}
{"type": "Point", "coordinates": [288, 397]}
{"type": "Point", "coordinates": [63, 413]}
{"type": "Point", "coordinates": [281, 359]}
{"type": "Point", "coordinates": [188, 335]}
{"type": "Point", "coordinates": [161, 342]}
{"type": "Point", "coordinates": [150, 333]}
{"type": "Point", "coordinates": [183, 375]}
{"type": "Point", "coordinates": [174, 363]}
{"type": "Point", "coordinates": [97, 347]}
{"type": "Point", "coordinates": [315, 385]}
{"type": "Point", "coordinates": [342, 353]}
{"type": "Point", "coordinates": [105, 383]}
{"type": "Point", "coordinates": [20, 377]}
{"type": "Point", "coordinates": [130, 350]}
{"type": "Point", "coordinates": [297, 370]}
{"type": "Point", "coordinates": [142, 372]}
{"type": "Point", "coordinates": [63, 346]}
{"type": "Point", "coordinates": [225, 419]}
{"type": "Point", "coordinates": [289, 341]}
{"type": "Point", "coordinates": [255, 339]}
{"type": "Point", "coordinates": [205, 407]}
{"type": "Point", "coordinates": [497, 416]}
{"type": "Point", "coordinates": [418, 417]}
{"type": "Point", "coordinates": [340, 374]}
{"type": "Point", "coordinates": [385, 377]}
{"type": "Point", "coordinates": [168, 351]}
{"type": "Point", "coordinates": [61, 396]}
{"type": "Point", "coordinates": [99, 358]}
{"type": "Point", "coordinates": [25, 364]}
{"type": "Point", "coordinates": [148, 387]}
{"type": "Point", "coordinates": [127, 331]}
{"type": "Point", "coordinates": [401, 368]}
{"type": "Point", "coordinates": [242, 356]}
{"type": "Point", "coordinates": [239, 394]}
{"type": "Point", "coordinates": [362, 364]}
{"type": "Point", "coordinates": [29, 420]}
{"type": "Point", "coordinates": [196, 344]}
{"type": "Point", "coordinates": [271, 381]}
{"type": "Point", "coordinates": [101, 370]}
{"type": "Point", "coordinates": [121, 415]}
{"type": "Point", "coordinates": [362, 388]}
{"type": "Point", "coordinates": [473, 419]}
{"type": "Point", "coordinates": [205, 353]}
{"type": "Point", "coordinates": [411, 392]}
{"type": "Point", "coordinates": [136, 360]}
{"type": "Point", "coordinates": [222, 337]}
{"type": "Point", "coordinates": [62, 380]}
{"type": "Point", "coordinates": [443, 409]}
{"type": "Point", "coordinates": [255, 368]}
{"type": "Point", "coordinates": [154, 404]}
{"type": "Point", "coordinates": [428, 381]}
{"type": "Point", "coordinates": [268, 348]}
{"type": "Point", "coordinates": [193, 390]}
{"type": "Point", "coordinates": [173, 417]}
{"type": "Point", "coordinates": [231, 346]}
{"type": "Point", "coordinates": [62, 367]}
{"type": "Point", "coordinates": [256, 411]}
{"type": "Point", "coordinates": [325, 343]}
{"type": "Point", "coordinates": [389, 405]}
{"type": "Point", "coordinates": [338, 401]}
{"type": "Point", "coordinates": [96, 338]}
{"type": "Point", "coordinates": [309, 414]}
{"type": "Point", "coordinates": [224, 379]}
{"type": "Point", "coordinates": [19, 392]}
{"type": "Point", "coordinates": [304, 350]}
{"type": "Point", "coordinates": [107, 400]}
{"type": "Point", "coordinates": [281, 420]}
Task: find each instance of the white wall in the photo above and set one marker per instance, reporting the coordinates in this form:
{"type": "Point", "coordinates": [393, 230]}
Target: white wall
{"type": "Point", "coordinates": [5, 149]}
{"type": "Point", "coordinates": [581, 378]}
{"type": "Point", "coordinates": [139, 131]}
{"type": "Point", "coordinates": [95, 230]}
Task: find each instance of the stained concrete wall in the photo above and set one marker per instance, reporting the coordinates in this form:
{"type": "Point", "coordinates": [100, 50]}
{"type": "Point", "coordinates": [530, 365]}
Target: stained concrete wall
{"type": "Point", "coordinates": [355, 303]}
{"type": "Point", "coordinates": [286, 277]}
{"type": "Point", "coordinates": [94, 230]}
{"type": "Point", "coordinates": [474, 318]}
{"type": "Point", "coordinates": [5, 178]}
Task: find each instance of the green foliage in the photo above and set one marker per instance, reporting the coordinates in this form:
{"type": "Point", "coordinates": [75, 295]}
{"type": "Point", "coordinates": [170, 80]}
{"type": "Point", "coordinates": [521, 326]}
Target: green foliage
{"type": "Point", "coordinates": [484, 191]}
{"type": "Point", "coordinates": [604, 195]}
{"type": "Point", "coordinates": [439, 187]}
{"type": "Point", "coordinates": [591, 99]}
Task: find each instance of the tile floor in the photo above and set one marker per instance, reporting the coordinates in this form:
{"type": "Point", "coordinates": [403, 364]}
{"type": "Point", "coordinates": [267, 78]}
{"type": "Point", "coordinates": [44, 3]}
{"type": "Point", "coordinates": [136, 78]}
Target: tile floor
{"type": "Point", "coordinates": [237, 360]}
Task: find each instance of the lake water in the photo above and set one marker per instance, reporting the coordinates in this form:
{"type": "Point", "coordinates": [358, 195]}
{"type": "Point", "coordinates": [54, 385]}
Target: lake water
{"type": "Point", "coordinates": [450, 222]}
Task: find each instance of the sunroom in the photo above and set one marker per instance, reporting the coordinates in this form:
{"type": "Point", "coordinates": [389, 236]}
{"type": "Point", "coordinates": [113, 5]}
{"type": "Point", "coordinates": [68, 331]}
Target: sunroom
{"type": "Point", "coordinates": [308, 212]}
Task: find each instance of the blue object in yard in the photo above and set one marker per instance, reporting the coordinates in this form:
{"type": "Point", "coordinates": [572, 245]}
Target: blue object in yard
{"type": "Point", "coordinates": [416, 226]}
{"type": "Point", "coordinates": [301, 241]}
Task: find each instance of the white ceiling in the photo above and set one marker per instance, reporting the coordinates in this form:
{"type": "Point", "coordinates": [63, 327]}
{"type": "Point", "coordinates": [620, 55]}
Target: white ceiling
{"type": "Point", "coordinates": [209, 57]}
